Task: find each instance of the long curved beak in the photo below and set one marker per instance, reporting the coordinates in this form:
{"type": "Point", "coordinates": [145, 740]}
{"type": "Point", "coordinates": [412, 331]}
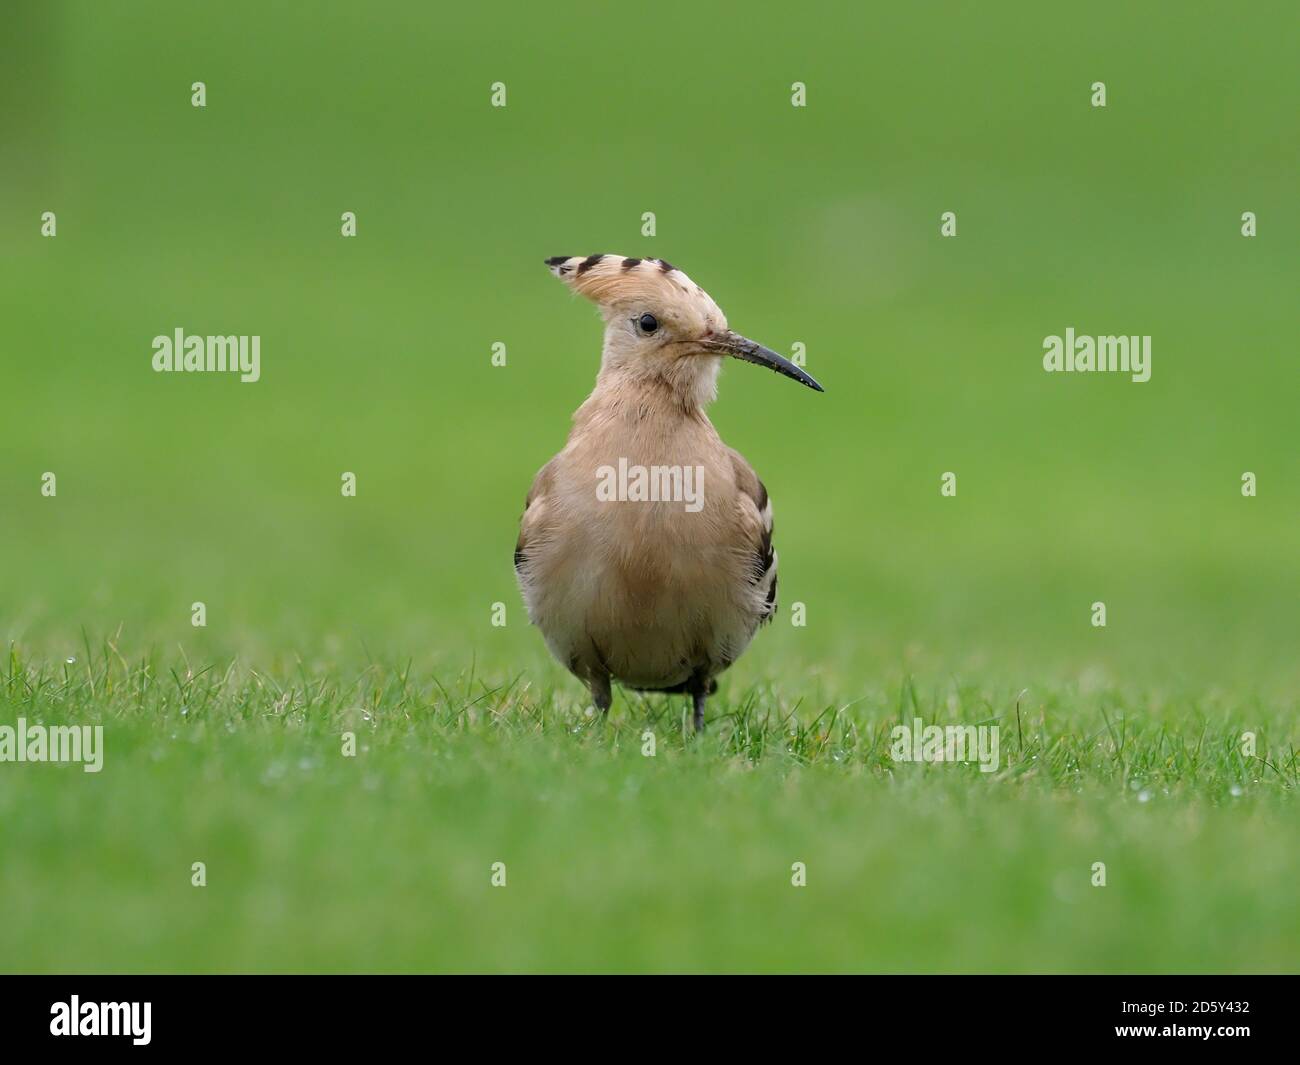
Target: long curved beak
{"type": "Point", "coordinates": [739, 347]}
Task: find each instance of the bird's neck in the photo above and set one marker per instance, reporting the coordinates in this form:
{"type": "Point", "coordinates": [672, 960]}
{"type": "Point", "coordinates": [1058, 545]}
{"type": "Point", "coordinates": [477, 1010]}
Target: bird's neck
{"type": "Point", "coordinates": [634, 403]}
{"type": "Point", "coordinates": [684, 386]}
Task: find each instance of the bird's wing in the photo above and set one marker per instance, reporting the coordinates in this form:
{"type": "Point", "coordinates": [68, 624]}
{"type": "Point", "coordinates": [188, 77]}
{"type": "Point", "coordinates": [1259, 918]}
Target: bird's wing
{"type": "Point", "coordinates": [756, 515]}
{"type": "Point", "coordinates": [534, 508]}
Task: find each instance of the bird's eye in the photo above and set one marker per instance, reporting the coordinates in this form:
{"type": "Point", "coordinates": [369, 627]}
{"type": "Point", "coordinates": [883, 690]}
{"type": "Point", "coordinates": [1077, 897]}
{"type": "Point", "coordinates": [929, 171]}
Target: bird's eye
{"type": "Point", "coordinates": [647, 323]}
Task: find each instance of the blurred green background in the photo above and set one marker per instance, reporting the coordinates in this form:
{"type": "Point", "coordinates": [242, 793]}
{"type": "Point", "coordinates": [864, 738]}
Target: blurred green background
{"type": "Point", "coordinates": [817, 225]}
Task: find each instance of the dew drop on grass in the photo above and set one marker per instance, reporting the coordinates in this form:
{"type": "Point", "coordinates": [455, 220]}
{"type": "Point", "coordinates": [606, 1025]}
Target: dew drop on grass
{"type": "Point", "coordinates": [1235, 791]}
{"type": "Point", "coordinates": [1144, 795]}
{"type": "Point", "coordinates": [71, 659]}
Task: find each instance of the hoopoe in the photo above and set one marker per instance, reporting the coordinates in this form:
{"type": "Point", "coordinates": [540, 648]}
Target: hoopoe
{"type": "Point", "coordinates": [636, 577]}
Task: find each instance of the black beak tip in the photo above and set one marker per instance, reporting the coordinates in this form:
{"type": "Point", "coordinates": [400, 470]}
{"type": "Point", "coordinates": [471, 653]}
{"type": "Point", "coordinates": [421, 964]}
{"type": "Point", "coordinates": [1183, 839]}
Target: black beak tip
{"type": "Point", "coordinates": [804, 378]}
{"type": "Point", "coordinates": [747, 351]}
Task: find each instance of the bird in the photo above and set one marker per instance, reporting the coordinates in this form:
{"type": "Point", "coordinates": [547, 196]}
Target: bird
{"type": "Point", "coordinates": [645, 550]}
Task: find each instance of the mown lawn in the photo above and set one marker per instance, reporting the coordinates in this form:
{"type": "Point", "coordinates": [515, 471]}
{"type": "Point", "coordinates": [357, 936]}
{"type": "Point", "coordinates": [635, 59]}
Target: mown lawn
{"type": "Point", "coordinates": [619, 860]}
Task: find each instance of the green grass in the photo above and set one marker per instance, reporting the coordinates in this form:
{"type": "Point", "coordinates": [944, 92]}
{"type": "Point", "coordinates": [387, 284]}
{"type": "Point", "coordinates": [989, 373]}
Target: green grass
{"type": "Point", "coordinates": [373, 614]}
{"type": "Point", "coordinates": [616, 860]}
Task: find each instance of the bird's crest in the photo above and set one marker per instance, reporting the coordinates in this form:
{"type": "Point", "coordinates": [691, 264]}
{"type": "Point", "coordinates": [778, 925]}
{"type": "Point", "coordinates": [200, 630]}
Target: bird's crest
{"type": "Point", "coordinates": [613, 279]}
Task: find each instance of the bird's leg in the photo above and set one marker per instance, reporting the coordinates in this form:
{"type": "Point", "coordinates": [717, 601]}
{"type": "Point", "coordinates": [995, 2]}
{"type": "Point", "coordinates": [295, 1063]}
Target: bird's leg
{"type": "Point", "coordinates": [600, 693]}
{"type": "Point", "coordinates": [700, 687]}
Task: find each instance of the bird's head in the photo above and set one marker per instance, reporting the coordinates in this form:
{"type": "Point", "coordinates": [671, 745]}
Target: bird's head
{"type": "Point", "coordinates": [661, 324]}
